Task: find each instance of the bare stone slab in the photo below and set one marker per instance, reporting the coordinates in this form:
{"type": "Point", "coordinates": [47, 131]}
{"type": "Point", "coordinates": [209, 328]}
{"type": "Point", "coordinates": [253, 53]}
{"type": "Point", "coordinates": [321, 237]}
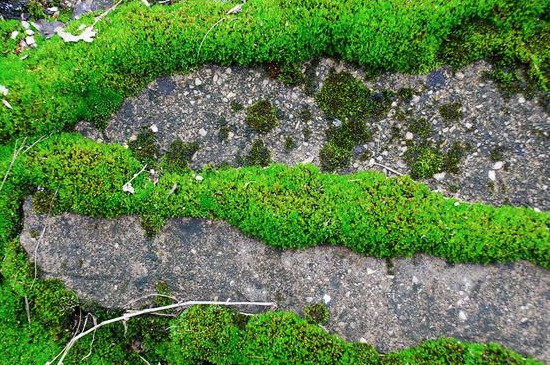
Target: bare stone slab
{"type": "Point", "coordinates": [112, 262]}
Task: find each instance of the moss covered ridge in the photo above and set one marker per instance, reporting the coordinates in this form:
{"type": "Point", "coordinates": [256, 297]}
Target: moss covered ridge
{"type": "Point", "coordinates": [286, 207]}
{"type": "Point", "coordinates": [60, 84]}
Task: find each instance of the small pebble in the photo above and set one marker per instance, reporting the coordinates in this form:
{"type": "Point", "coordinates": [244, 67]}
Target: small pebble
{"type": "Point", "coordinates": [492, 175]}
{"type": "Point", "coordinates": [198, 82]}
{"type": "Point", "coordinates": [440, 176]}
{"type": "Point", "coordinates": [498, 165]}
{"type": "Point", "coordinates": [326, 298]}
{"type": "Point", "coordinates": [409, 136]}
{"type": "Point", "coordinates": [462, 315]}
{"type": "Point", "coordinates": [457, 204]}
{"type": "Point", "coordinates": [154, 128]}
{"type": "Point", "coordinates": [202, 132]}
{"type": "Point", "coordinates": [14, 34]}
{"type": "Point", "coordinates": [521, 100]}
{"type": "Point", "coordinates": [199, 178]}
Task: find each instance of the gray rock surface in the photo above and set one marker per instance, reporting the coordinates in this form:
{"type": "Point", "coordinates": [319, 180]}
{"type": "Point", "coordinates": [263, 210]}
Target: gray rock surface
{"type": "Point", "coordinates": [196, 106]}
{"type": "Point", "coordinates": [390, 306]}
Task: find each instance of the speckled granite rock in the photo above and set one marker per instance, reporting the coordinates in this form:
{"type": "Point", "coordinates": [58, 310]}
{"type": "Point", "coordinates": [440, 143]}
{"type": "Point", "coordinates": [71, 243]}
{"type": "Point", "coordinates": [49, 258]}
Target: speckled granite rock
{"type": "Point", "coordinates": [111, 262]}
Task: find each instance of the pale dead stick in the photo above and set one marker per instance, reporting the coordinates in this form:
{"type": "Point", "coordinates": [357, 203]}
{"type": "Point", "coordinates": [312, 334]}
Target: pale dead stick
{"type": "Point", "coordinates": [125, 317]}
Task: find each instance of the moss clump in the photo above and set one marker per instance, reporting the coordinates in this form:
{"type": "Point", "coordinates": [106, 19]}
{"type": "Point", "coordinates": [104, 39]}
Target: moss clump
{"type": "Point", "coordinates": [451, 112]}
{"type": "Point", "coordinates": [424, 162]}
{"type": "Point", "coordinates": [452, 157]}
{"type": "Point", "coordinates": [259, 155]}
{"type": "Point", "coordinates": [44, 201]}
{"type": "Point", "coordinates": [305, 114]}
{"type": "Point", "coordinates": [180, 154]}
{"type": "Point", "coordinates": [291, 75]}
{"type": "Point", "coordinates": [334, 157]}
{"type": "Point", "coordinates": [261, 116]}
{"type": "Point", "coordinates": [223, 133]}
{"type": "Point", "coordinates": [317, 313]}
{"type": "Point", "coordinates": [236, 106]}
{"type": "Point", "coordinates": [344, 97]}
{"type": "Point", "coordinates": [497, 154]}
{"type": "Point", "coordinates": [309, 74]}
{"type": "Point", "coordinates": [420, 127]}
{"type": "Point", "coordinates": [406, 94]}
{"type": "Point", "coordinates": [289, 144]}
{"type": "Point", "coordinates": [145, 147]}
{"type": "Point", "coordinates": [307, 134]}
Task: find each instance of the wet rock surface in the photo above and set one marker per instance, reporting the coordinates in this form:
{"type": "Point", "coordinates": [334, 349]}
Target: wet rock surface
{"type": "Point", "coordinates": [391, 306]}
{"type": "Point", "coordinates": [508, 138]}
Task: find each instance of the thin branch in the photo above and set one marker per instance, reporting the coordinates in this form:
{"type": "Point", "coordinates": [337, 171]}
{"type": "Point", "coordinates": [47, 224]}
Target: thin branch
{"type": "Point", "coordinates": [151, 296]}
{"type": "Point", "coordinates": [125, 317]}
{"type": "Point", "coordinates": [203, 38]}
{"type": "Point", "coordinates": [27, 309]}
{"type": "Point", "coordinates": [388, 168]}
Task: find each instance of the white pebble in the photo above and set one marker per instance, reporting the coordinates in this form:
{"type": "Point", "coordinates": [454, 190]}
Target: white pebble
{"type": "Point", "coordinates": [537, 210]}
{"type": "Point", "coordinates": [202, 132]}
{"type": "Point", "coordinates": [498, 165]}
{"type": "Point", "coordinates": [29, 32]}
{"type": "Point", "coordinates": [440, 176]}
{"type": "Point", "coordinates": [492, 175]}
{"type": "Point", "coordinates": [521, 100]}
{"type": "Point", "coordinates": [25, 24]}
{"type": "Point", "coordinates": [459, 75]}
{"type": "Point", "coordinates": [408, 136]}
{"type": "Point", "coordinates": [457, 204]}
{"type": "Point", "coordinates": [462, 315]}
{"type": "Point", "coordinates": [198, 82]}
{"type": "Point", "coordinates": [154, 128]}
{"type": "Point", "coordinates": [14, 34]}
{"type": "Point", "coordinates": [3, 90]}
{"type": "Point", "coordinates": [30, 40]}
{"type": "Point", "coordinates": [468, 125]}
{"type": "Point", "coordinates": [199, 178]}
{"type": "Point", "coordinates": [326, 298]}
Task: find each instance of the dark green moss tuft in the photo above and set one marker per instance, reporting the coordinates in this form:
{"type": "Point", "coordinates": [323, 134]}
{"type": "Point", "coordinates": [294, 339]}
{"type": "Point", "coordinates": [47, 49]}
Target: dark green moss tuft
{"type": "Point", "coordinates": [236, 106]}
{"type": "Point", "coordinates": [307, 134]}
{"type": "Point", "coordinates": [305, 114]}
{"type": "Point", "coordinates": [180, 154]}
{"type": "Point", "coordinates": [261, 116]}
{"type": "Point", "coordinates": [145, 147]}
{"type": "Point", "coordinates": [223, 133]}
{"type": "Point", "coordinates": [259, 155]}
{"type": "Point", "coordinates": [452, 158]}
{"type": "Point", "coordinates": [453, 188]}
{"type": "Point", "coordinates": [451, 112]}
{"type": "Point", "coordinates": [406, 94]}
{"type": "Point", "coordinates": [420, 126]}
{"type": "Point", "coordinates": [424, 161]}
{"type": "Point", "coordinates": [334, 157]}
{"type": "Point", "coordinates": [289, 144]}
{"type": "Point", "coordinates": [317, 313]}
{"type": "Point", "coordinates": [497, 154]}
{"type": "Point", "coordinates": [291, 75]}
{"type": "Point", "coordinates": [344, 97]}
{"type": "Point", "coordinates": [44, 201]}
{"type": "Point", "coordinates": [309, 82]}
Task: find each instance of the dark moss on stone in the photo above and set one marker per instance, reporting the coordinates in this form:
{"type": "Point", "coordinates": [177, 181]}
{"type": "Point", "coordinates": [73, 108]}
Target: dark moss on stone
{"type": "Point", "coordinates": [289, 144]}
{"type": "Point", "coordinates": [451, 112]}
{"type": "Point", "coordinates": [259, 155]}
{"type": "Point", "coordinates": [236, 106]}
{"type": "Point", "coordinates": [420, 126]}
{"type": "Point", "coordinates": [145, 147]}
{"type": "Point", "coordinates": [334, 157]}
{"type": "Point", "coordinates": [309, 74]}
{"type": "Point", "coordinates": [307, 134]}
{"type": "Point", "coordinates": [261, 116]}
{"type": "Point", "coordinates": [305, 114]}
{"type": "Point", "coordinates": [497, 154]}
{"type": "Point", "coordinates": [454, 155]}
{"type": "Point", "coordinates": [44, 201]}
{"type": "Point", "coordinates": [223, 133]}
{"type": "Point", "coordinates": [180, 154]}
{"type": "Point", "coordinates": [453, 188]}
{"type": "Point", "coordinates": [406, 94]}
{"type": "Point", "coordinates": [424, 161]}
{"type": "Point", "coordinates": [344, 97]}
{"type": "Point", "coordinates": [291, 75]}
{"type": "Point", "coordinates": [317, 313]}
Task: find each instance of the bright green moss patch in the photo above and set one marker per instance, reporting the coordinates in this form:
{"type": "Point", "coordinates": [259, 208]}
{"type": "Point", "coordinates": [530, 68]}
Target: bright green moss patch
{"type": "Point", "coordinates": [289, 207]}
{"type": "Point", "coordinates": [261, 116]}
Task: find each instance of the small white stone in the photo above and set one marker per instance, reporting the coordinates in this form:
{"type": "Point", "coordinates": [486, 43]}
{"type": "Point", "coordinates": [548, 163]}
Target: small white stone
{"type": "Point", "coordinates": [14, 34]}
{"type": "Point", "coordinates": [305, 144]}
{"type": "Point", "coordinates": [492, 175]}
{"type": "Point", "coordinates": [462, 315]}
{"type": "Point", "coordinates": [199, 178]}
{"type": "Point", "coordinates": [457, 204]}
{"type": "Point", "coordinates": [230, 135]}
{"type": "Point", "coordinates": [370, 271]}
{"type": "Point", "coordinates": [326, 298]}
{"type": "Point", "coordinates": [408, 136]}
{"type": "Point", "coordinates": [355, 165]}
{"type": "Point", "coordinates": [3, 90]}
{"type": "Point", "coordinates": [231, 95]}
{"type": "Point", "coordinates": [537, 210]}
{"type": "Point", "coordinates": [440, 176]}
{"type": "Point", "coordinates": [498, 165]}
{"type": "Point", "coordinates": [29, 32]}
{"type": "Point", "coordinates": [468, 125]}
{"type": "Point", "coordinates": [30, 40]}
{"type": "Point", "coordinates": [25, 24]}
{"type": "Point", "coordinates": [415, 280]}
{"type": "Point", "coordinates": [154, 128]}
{"type": "Point", "coordinates": [394, 104]}
{"type": "Point", "coordinates": [337, 123]}
{"type": "Point", "coordinates": [415, 99]}
{"type": "Point", "coordinates": [362, 340]}
{"type": "Point", "coordinates": [202, 132]}
{"type": "Point", "coordinates": [198, 82]}
{"type": "Point", "coordinates": [459, 76]}
{"type": "Point", "coordinates": [521, 100]}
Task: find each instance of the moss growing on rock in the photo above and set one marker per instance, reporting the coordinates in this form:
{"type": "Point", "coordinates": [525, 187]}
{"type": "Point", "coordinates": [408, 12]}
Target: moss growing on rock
{"type": "Point", "coordinates": [259, 155]}
{"type": "Point", "coordinates": [289, 144]}
{"type": "Point", "coordinates": [334, 157]}
{"type": "Point", "coordinates": [180, 154]}
{"type": "Point", "coordinates": [236, 106]}
{"type": "Point", "coordinates": [497, 154]}
{"type": "Point", "coordinates": [420, 126]}
{"type": "Point", "coordinates": [317, 313]}
{"type": "Point", "coordinates": [451, 112]}
{"type": "Point", "coordinates": [424, 161]}
{"type": "Point", "coordinates": [261, 116]}
{"type": "Point", "coordinates": [145, 147]}
{"type": "Point", "coordinates": [406, 94]}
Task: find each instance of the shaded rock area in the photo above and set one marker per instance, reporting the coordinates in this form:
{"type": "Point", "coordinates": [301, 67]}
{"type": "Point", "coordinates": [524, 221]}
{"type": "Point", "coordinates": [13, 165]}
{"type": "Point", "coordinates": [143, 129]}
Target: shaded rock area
{"type": "Point", "coordinates": [508, 139]}
{"type": "Point", "coordinates": [11, 9]}
{"type": "Point", "coordinates": [391, 306]}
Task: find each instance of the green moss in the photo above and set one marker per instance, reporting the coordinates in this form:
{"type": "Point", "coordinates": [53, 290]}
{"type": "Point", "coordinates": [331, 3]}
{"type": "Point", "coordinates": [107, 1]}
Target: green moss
{"type": "Point", "coordinates": [344, 97]}
{"type": "Point", "coordinates": [420, 126]}
{"type": "Point", "coordinates": [424, 161]}
{"type": "Point", "coordinates": [310, 76]}
{"type": "Point", "coordinates": [236, 106]}
{"type": "Point", "coordinates": [334, 157]}
{"type": "Point", "coordinates": [259, 155]}
{"type": "Point", "coordinates": [35, 9]}
{"type": "Point", "coordinates": [497, 154]}
{"type": "Point", "coordinates": [223, 133]}
{"type": "Point", "coordinates": [406, 94]}
{"type": "Point", "coordinates": [291, 75]}
{"type": "Point", "coordinates": [307, 134]}
{"type": "Point", "coordinates": [451, 112]}
{"type": "Point", "coordinates": [261, 116]}
{"type": "Point", "coordinates": [145, 146]}
{"type": "Point", "coordinates": [44, 201]}
{"type": "Point", "coordinates": [180, 154]}
{"type": "Point", "coordinates": [453, 188]}
{"type": "Point", "coordinates": [454, 155]}
{"type": "Point", "coordinates": [289, 144]}
{"type": "Point", "coordinates": [317, 313]}
{"type": "Point", "coordinates": [305, 114]}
